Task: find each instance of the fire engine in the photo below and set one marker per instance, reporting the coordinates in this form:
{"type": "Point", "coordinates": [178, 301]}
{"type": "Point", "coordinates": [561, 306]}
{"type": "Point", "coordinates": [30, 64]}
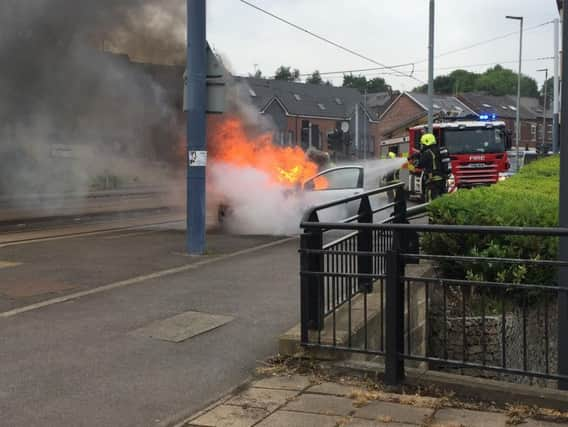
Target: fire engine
{"type": "Point", "coordinates": [477, 150]}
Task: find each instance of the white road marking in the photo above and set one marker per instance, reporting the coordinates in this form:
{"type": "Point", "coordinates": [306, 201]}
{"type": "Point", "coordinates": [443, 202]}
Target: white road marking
{"type": "Point", "coordinates": [140, 279]}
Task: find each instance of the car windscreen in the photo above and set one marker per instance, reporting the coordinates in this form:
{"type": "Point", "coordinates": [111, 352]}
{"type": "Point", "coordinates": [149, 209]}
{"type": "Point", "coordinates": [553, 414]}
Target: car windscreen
{"type": "Point", "coordinates": [480, 140]}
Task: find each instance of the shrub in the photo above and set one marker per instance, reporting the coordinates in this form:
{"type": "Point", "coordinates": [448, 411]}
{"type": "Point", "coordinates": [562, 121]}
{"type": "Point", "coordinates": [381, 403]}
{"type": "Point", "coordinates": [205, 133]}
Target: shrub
{"type": "Point", "coordinates": [528, 199]}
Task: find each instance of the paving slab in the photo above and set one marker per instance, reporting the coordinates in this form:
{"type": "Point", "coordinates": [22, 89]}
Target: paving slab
{"type": "Point", "coordinates": [538, 423]}
{"type": "Point", "coordinates": [394, 412]}
{"type": "Point", "coordinates": [320, 404]}
{"type": "Point", "coordinates": [298, 419]}
{"type": "Point", "coordinates": [230, 416]}
{"type": "Point", "coordinates": [183, 326]}
{"type": "Point", "coordinates": [466, 418]}
{"type": "Point", "coordinates": [334, 389]}
{"type": "Point", "coordinates": [358, 422]}
{"type": "Point", "coordinates": [293, 382]}
{"type": "Point", "coordinates": [263, 398]}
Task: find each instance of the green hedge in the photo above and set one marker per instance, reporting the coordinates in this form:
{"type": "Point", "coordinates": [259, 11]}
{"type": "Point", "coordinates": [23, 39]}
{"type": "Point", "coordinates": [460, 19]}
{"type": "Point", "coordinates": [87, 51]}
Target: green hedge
{"type": "Point", "coordinates": [528, 199]}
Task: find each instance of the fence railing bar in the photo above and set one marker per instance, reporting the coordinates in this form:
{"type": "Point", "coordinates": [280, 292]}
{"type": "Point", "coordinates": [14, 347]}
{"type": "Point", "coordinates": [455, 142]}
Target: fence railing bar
{"type": "Point", "coordinates": [464, 332]}
{"type": "Point", "coordinates": [486, 284]}
{"type": "Point", "coordinates": [344, 275]}
{"type": "Point", "coordinates": [473, 365]}
{"type": "Point", "coordinates": [445, 308]}
{"type": "Point", "coordinates": [525, 346]}
{"type": "Point", "coordinates": [553, 263]}
{"type": "Point", "coordinates": [433, 228]}
{"type": "Point", "coordinates": [339, 241]}
{"type": "Point", "coordinates": [546, 343]}
{"type": "Point", "coordinates": [483, 331]}
{"type": "Point", "coordinates": [346, 252]}
{"type": "Point", "coordinates": [503, 331]}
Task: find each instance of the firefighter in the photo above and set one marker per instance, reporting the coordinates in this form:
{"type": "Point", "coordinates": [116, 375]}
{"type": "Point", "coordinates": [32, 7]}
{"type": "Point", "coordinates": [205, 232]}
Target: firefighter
{"type": "Point", "coordinates": [430, 161]}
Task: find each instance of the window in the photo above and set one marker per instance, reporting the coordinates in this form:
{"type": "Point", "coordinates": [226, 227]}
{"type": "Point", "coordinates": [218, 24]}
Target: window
{"type": "Point", "coordinates": [474, 140]}
{"type": "Point", "coordinates": [504, 107]}
{"type": "Point", "coordinates": [337, 179]}
{"type": "Point", "coordinates": [512, 107]}
{"type": "Point", "coordinates": [486, 105]}
{"type": "Point", "coordinates": [297, 97]}
{"type": "Point", "coordinates": [252, 93]}
{"type": "Point", "coordinates": [321, 107]}
{"type": "Point", "coordinates": [533, 132]}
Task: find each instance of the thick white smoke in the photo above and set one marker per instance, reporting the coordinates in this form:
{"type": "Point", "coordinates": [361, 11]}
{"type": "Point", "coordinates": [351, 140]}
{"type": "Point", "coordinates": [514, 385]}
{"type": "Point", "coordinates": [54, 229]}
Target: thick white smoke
{"type": "Point", "coordinates": [258, 205]}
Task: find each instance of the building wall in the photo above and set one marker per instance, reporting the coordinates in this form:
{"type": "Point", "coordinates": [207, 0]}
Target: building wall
{"type": "Point", "coordinates": [402, 110]}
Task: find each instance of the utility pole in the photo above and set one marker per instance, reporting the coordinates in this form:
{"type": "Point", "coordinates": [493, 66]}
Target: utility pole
{"type": "Point", "coordinates": [518, 119]}
{"type": "Point", "coordinates": [563, 216]}
{"type": "Point", "coordinates": [431, 68]}
{"type": "Point", "coordinates": [545, 70]}
{"type": "Point", "coordinates": [556, 96]}
{"type": "Point", "coordinates": [366, 128]}
{"type": "Point", "coordinates": [357, 146]}
{"type": "Point", "coordinates": [196, 125]}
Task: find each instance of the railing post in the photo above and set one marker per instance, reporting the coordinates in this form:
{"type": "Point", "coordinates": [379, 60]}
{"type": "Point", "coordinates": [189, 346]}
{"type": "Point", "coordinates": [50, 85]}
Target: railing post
{"type": "Point", "coordinates": [400, 206]}
{"type": "Point", "coordinates": [311, 286]}
{"type": "Point", "coordinates": [394, 363]}
{"type": "Point", "coordinates": [365, 244]}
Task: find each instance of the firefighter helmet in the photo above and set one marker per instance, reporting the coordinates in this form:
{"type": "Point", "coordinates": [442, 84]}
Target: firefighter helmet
{"type": "Point", "coordinates": [392, 155]}
{"type": "Point", "coordinates": [428, 139]}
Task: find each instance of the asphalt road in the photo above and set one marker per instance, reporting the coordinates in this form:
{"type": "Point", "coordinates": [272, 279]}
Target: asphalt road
{"type": "Point", "coordinates": [79, 363]}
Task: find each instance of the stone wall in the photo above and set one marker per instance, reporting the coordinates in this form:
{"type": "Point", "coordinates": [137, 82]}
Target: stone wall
{"type": "Point", "coordinates": [483, 341]}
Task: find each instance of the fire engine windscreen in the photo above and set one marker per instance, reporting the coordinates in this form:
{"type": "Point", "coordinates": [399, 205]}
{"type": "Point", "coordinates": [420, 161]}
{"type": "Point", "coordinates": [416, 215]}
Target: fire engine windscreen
{"type": "Point", "coordinates": [480, 140]}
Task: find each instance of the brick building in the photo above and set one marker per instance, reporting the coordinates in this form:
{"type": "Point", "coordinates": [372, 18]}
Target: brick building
{"type": "Point", "coordinates": [311, 115]}
{"type": "Point", "coordinates": [410, 109]}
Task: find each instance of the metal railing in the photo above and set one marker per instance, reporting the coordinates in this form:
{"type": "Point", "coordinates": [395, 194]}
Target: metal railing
{"type": "Point", "coordinates": [360, 294]}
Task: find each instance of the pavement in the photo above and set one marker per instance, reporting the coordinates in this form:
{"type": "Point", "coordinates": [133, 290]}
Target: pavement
{"type": "Point", "coordinates": [306, 401]}
{"type": "Point", "coordinates": [121, 328]}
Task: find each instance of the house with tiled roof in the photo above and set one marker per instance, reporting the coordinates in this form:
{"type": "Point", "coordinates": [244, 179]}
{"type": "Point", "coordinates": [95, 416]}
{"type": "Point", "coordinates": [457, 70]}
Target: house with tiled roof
{"type": "Point", "coordinates": [505, 108]}
{"type": "Point", "coordinates": [410, 109]}
{"type": "Point", "coordinates": [312, 115]}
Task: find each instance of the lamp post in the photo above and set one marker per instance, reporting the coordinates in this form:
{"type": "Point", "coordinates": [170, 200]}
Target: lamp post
{"type": "Point", "coordinates": [196, 93]}
{"type": "Point", "coordinates": [545, 70]}
{"type": "Point", "coordinates": [563, 213]}
{"type": "Point", "coordinates": [518, 119]}
{"type": "Point", "coordinates": [431, 69]}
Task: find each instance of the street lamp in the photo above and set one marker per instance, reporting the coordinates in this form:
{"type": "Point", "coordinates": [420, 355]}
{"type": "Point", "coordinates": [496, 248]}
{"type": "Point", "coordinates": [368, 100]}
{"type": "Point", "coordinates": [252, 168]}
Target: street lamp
{"type": "Point", "coordinates": [518, 120]}
{"type": "Point", "coordinates": [545, 70]}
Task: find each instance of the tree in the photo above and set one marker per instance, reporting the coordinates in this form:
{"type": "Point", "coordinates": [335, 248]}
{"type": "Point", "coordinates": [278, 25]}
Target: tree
{"type": "Point", "coordinates": [286, 73]}
{"type": "Point", "coordinates": [315, 78]}
{"type": "Point", "coordinates": [499, 81]}
{"type": "Point", "coordinates": [378, 84]}
{"type": "Point", "coordinates": [361, 83]}
{"type": "Point", "coordinates": [355, 82]}
{"type": "Point", "coordinates": [257, 74]}
{"type": "Point", "coordinates": [496, 81]}
{"type": "Point", "coordinates": [549, 92]}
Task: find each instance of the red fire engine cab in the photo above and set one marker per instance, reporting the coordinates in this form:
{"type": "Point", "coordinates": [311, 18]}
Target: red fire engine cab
{"type": "Point", "coordinates": [477, 149]}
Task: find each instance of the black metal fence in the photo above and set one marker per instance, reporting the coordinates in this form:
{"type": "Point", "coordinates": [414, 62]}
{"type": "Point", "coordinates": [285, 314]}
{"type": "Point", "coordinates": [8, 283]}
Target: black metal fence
{"type": "Point", "coordinates": [372, 291]}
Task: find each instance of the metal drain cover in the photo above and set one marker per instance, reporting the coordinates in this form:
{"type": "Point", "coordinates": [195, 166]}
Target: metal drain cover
{"type": "Point", "coordinates": [183, 326]}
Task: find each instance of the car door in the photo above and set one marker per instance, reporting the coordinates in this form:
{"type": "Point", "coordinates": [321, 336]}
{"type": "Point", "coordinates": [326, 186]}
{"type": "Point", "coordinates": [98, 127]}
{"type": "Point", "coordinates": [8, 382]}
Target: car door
{"type": "Point", "coordinates": [334, 184]}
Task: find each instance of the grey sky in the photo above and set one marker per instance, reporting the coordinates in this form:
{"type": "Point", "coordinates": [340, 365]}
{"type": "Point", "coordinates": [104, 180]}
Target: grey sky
{"type": "Point", "coordinates": [389, 31]}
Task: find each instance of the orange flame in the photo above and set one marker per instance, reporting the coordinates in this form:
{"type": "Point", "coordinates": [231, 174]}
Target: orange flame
{"type": "Point", "coordinates": [229, 143]}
